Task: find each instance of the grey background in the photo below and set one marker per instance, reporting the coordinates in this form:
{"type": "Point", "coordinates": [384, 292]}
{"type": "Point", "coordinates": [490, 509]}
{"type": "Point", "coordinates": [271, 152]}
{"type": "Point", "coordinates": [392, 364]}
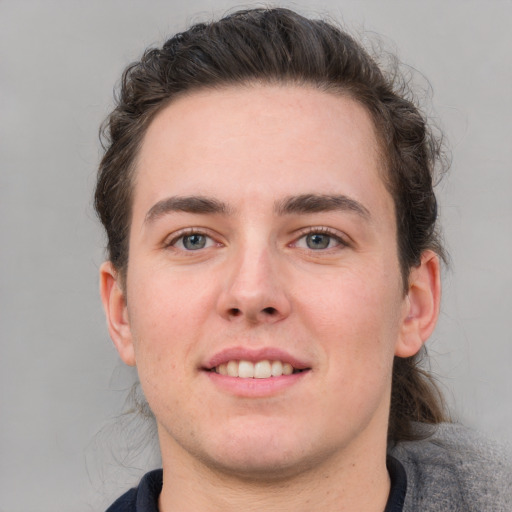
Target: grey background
{"type": "Point", "coordinates": [61, 387]}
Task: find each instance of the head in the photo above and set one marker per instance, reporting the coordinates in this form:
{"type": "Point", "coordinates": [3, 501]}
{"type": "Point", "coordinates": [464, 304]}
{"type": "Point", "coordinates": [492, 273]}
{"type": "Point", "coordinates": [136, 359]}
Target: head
{"type": "Point", "coordinates": [279, 47]}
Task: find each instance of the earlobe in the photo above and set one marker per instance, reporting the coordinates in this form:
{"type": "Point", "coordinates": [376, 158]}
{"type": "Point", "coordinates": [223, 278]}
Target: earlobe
{"type": "Point", "coordinates": [114, 304]}
{"type": "Point", "coordinates": [421, 305]}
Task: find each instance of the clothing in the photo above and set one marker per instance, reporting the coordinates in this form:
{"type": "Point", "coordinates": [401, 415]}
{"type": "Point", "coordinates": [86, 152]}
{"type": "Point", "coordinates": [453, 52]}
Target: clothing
{"type": "Point", "coordinates": [144, 498]}
{"type": "Point", "coordinates": [454, 470]}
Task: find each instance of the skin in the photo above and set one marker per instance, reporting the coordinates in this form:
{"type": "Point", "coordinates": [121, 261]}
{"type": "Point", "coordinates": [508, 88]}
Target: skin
{"type": "Point", "coordinates": [256, 284]}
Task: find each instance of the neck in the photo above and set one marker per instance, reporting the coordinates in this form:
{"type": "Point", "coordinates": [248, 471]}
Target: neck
{"type": "Point", "coordinates": [353, 482]}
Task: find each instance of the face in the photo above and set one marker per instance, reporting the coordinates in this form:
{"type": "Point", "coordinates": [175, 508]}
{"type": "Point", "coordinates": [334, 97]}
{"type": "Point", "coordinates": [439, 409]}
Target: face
{"type": "Point", "coordinates": [263, 245]}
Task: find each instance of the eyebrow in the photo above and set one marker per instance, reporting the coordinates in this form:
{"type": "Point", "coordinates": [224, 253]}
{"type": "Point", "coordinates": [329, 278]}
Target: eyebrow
{"type": "Point", "coordinates": [301, 204]}
{"type": "Point", "coordinates": [188, 204]}
{"type": "Point", "coordinates": [315, 203]}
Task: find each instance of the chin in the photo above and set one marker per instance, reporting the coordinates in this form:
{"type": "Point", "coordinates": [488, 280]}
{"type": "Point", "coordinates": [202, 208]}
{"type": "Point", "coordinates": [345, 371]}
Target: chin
{"type": "Point", "coordinates": [267, 454]}
{"type": "Point", "coordinates": [260, 465]}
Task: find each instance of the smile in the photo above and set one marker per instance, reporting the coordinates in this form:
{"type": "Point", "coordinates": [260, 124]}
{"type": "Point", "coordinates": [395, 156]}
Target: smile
{"type": "Point", "coordinates": [255, 370]}
{"type": "Point", "coordinates": [255, 373]}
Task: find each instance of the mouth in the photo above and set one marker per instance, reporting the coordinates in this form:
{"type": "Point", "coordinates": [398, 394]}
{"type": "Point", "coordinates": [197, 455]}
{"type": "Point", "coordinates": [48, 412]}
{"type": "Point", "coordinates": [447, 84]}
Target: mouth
{"type": "Point", "coordinates": [265, 363]}
{"type": "Point", "coordinates": [263, 369]}
{"type": "Point", "coordinates": [255, 373]}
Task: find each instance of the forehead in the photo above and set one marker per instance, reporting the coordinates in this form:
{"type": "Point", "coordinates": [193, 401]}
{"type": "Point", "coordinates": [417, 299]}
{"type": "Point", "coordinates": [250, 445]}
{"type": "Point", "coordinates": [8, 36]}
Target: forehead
{"type": "Point", "coordinates": [264, 139]}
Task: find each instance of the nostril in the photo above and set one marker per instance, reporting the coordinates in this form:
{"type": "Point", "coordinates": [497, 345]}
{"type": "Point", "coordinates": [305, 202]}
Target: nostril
{"type": "Point", "coordinates": [269, 313]}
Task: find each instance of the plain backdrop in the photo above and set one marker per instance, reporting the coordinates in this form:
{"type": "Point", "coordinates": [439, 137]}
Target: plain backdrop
{"type": "Point", "coordinates": [62, 385]}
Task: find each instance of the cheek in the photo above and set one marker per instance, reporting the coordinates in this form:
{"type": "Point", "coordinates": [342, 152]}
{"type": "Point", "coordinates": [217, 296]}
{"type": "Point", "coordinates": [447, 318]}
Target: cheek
{"type": "Point", "coordinates": [362, 302]}
{"type": "Point", "coordinates": [356, 316]}
{"type": "Point", "coordinates": [161, 299]}
{"type": "Point", "coordinates": [167, 316]}
{"type": "Point", "coordinates": [354, 323]}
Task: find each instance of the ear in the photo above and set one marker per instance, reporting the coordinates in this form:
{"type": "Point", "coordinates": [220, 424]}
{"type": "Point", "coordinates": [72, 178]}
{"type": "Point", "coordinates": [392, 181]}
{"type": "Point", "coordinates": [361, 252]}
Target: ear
{"type": "Point", "coordinates": [114, 304]}
{"type": "Point", "coordinates": [421, 305]}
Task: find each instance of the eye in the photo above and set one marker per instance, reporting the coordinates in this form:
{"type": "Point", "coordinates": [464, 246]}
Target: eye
{"type": "Point", "coordinates": [192, 242]}
{"type": "Point", "coordinates": [319, 240]}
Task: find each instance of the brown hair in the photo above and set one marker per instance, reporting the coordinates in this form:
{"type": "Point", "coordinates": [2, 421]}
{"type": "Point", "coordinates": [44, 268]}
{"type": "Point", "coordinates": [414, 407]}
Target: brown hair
{"type": "Point", "coordinates": [280, 46]}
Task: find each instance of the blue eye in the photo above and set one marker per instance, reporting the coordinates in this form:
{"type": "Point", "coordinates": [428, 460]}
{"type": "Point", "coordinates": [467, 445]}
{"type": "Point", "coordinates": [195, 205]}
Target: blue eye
{"type": "Point", "coordinates": [317, 241]}
{"type": "Point", "coordinates": [192, 242]}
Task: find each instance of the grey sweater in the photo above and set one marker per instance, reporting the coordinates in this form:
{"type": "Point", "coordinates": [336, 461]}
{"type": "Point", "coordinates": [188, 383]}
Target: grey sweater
{"type": "Point", "coordinates": [456, 470]}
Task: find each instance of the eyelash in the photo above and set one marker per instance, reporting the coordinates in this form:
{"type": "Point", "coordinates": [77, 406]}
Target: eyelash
{"type": "Point", "coordinates": [181, 235]}
{"type": "Point", "coordinates": [189, 232]}
{"type": "Point", "coordinates": [340, 242]}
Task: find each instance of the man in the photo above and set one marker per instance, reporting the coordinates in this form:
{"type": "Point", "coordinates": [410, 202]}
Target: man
{"type": "Point", "coordinates": [274, 272]}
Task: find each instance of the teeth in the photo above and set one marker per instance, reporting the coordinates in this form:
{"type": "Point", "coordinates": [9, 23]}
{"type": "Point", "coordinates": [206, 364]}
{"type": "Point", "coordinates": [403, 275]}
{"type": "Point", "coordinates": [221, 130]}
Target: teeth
{"type": "Point", "coordinates": [262, 370]}
{"type": "Point", "coordinates": [287, 369]}
{"type": "Point", "coordinates": [277, 368]}
{"type": "Point", "coordinates": [245, 370]}
{"type": "Point", "coordinates": [232, 368]}
{"type": "Point", "coordinates": [259, 370]}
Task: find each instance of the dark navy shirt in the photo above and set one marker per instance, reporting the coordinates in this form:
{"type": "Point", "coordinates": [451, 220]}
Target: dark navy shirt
{"type": "Point", "coordinates": [144, 498]}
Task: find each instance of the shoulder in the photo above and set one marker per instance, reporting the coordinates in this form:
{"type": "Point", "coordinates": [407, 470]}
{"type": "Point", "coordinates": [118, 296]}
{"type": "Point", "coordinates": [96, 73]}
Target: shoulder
{"type": "Point", "coordinates": [456, 469]}
{"type": "Point", "coordinates": [143, 498]}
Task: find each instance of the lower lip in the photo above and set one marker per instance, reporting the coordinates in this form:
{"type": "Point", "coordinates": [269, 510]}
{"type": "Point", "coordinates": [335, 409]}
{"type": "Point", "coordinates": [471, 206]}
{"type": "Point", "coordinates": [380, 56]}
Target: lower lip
{"type": "Point", "coordinates": [255, 388]}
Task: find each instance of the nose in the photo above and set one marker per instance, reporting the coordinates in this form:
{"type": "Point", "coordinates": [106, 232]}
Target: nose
{"type": "Point", "coordinates": [254, 291]}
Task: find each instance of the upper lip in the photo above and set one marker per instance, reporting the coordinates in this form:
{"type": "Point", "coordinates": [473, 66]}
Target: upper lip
{"type": "Point", "coordinates": [254, 355]}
